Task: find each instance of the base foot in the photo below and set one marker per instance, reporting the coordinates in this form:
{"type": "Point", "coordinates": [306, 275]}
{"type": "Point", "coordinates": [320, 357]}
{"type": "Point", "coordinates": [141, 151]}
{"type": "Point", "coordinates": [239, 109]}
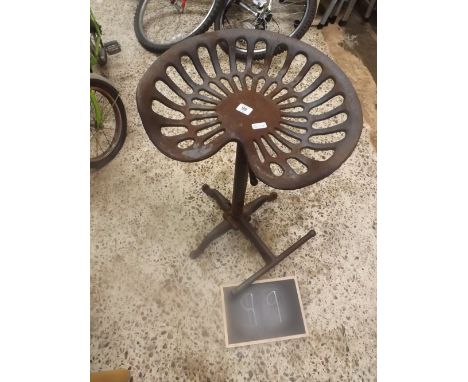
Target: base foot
{"type": "Point", "coordinates": [276, 261]}
{"type": "Point", "coordinates": [255, 204]}
{"type": "Point", "coordinates": [216, 232]}
{"type": "Point", "coordinates": [242, 222]}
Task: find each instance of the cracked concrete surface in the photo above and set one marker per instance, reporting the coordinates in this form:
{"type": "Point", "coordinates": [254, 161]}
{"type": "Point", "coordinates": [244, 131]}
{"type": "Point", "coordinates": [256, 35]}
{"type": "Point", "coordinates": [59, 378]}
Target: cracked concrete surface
{"type": "Point", "coordinates": [157, 312]}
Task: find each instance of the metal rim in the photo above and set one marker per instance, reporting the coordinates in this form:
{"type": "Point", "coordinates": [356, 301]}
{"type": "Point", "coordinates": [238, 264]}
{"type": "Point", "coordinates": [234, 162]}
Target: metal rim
{"type": "Point", "coordinates": [173, 40]}
{"type": "Point", "coordinates": [115, 125]}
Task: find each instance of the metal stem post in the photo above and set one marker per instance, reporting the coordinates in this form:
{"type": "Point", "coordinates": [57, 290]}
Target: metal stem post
{"type": "Point", "coordinates": [240, 183]}
{"type": "Point", "coordinates": [237, 216]}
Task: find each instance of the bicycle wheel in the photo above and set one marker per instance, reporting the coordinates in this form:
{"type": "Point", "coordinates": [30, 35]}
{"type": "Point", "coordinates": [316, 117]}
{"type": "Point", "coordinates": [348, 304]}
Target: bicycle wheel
{"type": "Point", "coordinates": [288, 17]}
{"type": "Point", "coordinates": [108, 122]}
{"type": "Point", "coordinates": [159, 24]}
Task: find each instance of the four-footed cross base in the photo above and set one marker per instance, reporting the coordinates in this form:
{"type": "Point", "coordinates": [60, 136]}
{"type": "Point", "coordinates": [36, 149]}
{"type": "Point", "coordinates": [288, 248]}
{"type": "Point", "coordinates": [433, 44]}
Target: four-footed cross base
{"type": "Point", "coordinates": [237, 216]}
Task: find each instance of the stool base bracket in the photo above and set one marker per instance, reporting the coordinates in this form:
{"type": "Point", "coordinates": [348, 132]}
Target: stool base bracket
{"type": "Point", "coordinates": [242, 223]}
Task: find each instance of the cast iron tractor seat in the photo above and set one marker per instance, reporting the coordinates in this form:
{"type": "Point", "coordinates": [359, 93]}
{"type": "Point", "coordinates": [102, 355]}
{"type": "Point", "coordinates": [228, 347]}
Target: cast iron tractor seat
{"type": "Point", "coordinates": [294, 115]}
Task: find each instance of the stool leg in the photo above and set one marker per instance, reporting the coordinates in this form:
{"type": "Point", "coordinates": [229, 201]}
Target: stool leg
{"type": "Point", "coordinates": [347, 13]}
{"type": "Point", "coordinates": [272, 264]}
{"type": "Point", "coordinates": [216, 232]}
{"type": "Point", "coordinates": [369, 10]}
{"type": "Point", "coordinates": [337, 11]}
{"type": "Point", "coordinates": [219, 198]}
{"type": "Point", "coordinates": [237, 215]}
{"type": "Point", "coordinates": [255, 204]}
{"type": "Point", "coordinates": [326, 15]}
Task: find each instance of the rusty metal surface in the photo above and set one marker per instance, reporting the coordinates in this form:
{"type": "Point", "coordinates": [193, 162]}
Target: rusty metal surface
{"type": "Point", "coordinates": [188, 105]}
{"type": "Point", "coordinates": [237, 216]}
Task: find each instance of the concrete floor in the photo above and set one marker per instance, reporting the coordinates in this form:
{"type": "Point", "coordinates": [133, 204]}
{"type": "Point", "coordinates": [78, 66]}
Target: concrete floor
{"type": "Point", "coordinates": [158, 313]}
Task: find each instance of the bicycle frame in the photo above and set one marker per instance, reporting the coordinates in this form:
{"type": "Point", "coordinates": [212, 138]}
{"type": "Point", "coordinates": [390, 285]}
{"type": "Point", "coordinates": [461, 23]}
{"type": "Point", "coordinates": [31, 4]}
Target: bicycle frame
{"type": "Point", "coordinates": [98, 115]}
{"type": "Point", "coordinates": [96, 41]}
{"type": "Point", "coordinates": [182, 4]}
{"type": "Point", "coordinates": [242, 4]}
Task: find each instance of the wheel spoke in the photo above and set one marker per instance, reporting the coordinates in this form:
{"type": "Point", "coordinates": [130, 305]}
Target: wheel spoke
{"type": "Point", "coordinates": [163, 24]}
{"type": "Point", "coordinates": [283, 16]}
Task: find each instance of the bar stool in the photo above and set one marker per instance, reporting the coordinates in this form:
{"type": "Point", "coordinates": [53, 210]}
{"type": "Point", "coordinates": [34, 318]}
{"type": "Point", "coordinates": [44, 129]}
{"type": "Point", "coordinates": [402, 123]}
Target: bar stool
{"type": "Point", "coordinates": [292, 128]}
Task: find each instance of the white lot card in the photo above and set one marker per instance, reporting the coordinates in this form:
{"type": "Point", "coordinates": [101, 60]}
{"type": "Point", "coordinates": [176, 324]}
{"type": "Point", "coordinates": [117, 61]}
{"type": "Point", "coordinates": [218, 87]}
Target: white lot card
{"type": "Point", "coordinates": [244, 109]}
{"type": "Point", "coordinates": [259, 125]}
{"type": "Point", "coordinates": [267, 310]}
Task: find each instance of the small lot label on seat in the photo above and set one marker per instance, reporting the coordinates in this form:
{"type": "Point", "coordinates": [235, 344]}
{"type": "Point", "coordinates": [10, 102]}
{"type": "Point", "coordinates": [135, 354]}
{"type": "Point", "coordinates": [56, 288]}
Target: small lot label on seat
{"type": "Point", "coordinates": [267, 310]}
{"type": "Point", "coordinates": [244, 109]}
{"type": "Point", "coordinates": [259, 125]}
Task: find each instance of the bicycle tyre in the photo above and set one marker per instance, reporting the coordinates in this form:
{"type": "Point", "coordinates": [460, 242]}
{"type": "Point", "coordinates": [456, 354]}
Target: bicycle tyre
{"type": "Point", "coordinates": [298, 33]}
{"type": "Point", "coordinates": [159, 48]}
{"type": "Point", "coordinates": [105, 88]}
